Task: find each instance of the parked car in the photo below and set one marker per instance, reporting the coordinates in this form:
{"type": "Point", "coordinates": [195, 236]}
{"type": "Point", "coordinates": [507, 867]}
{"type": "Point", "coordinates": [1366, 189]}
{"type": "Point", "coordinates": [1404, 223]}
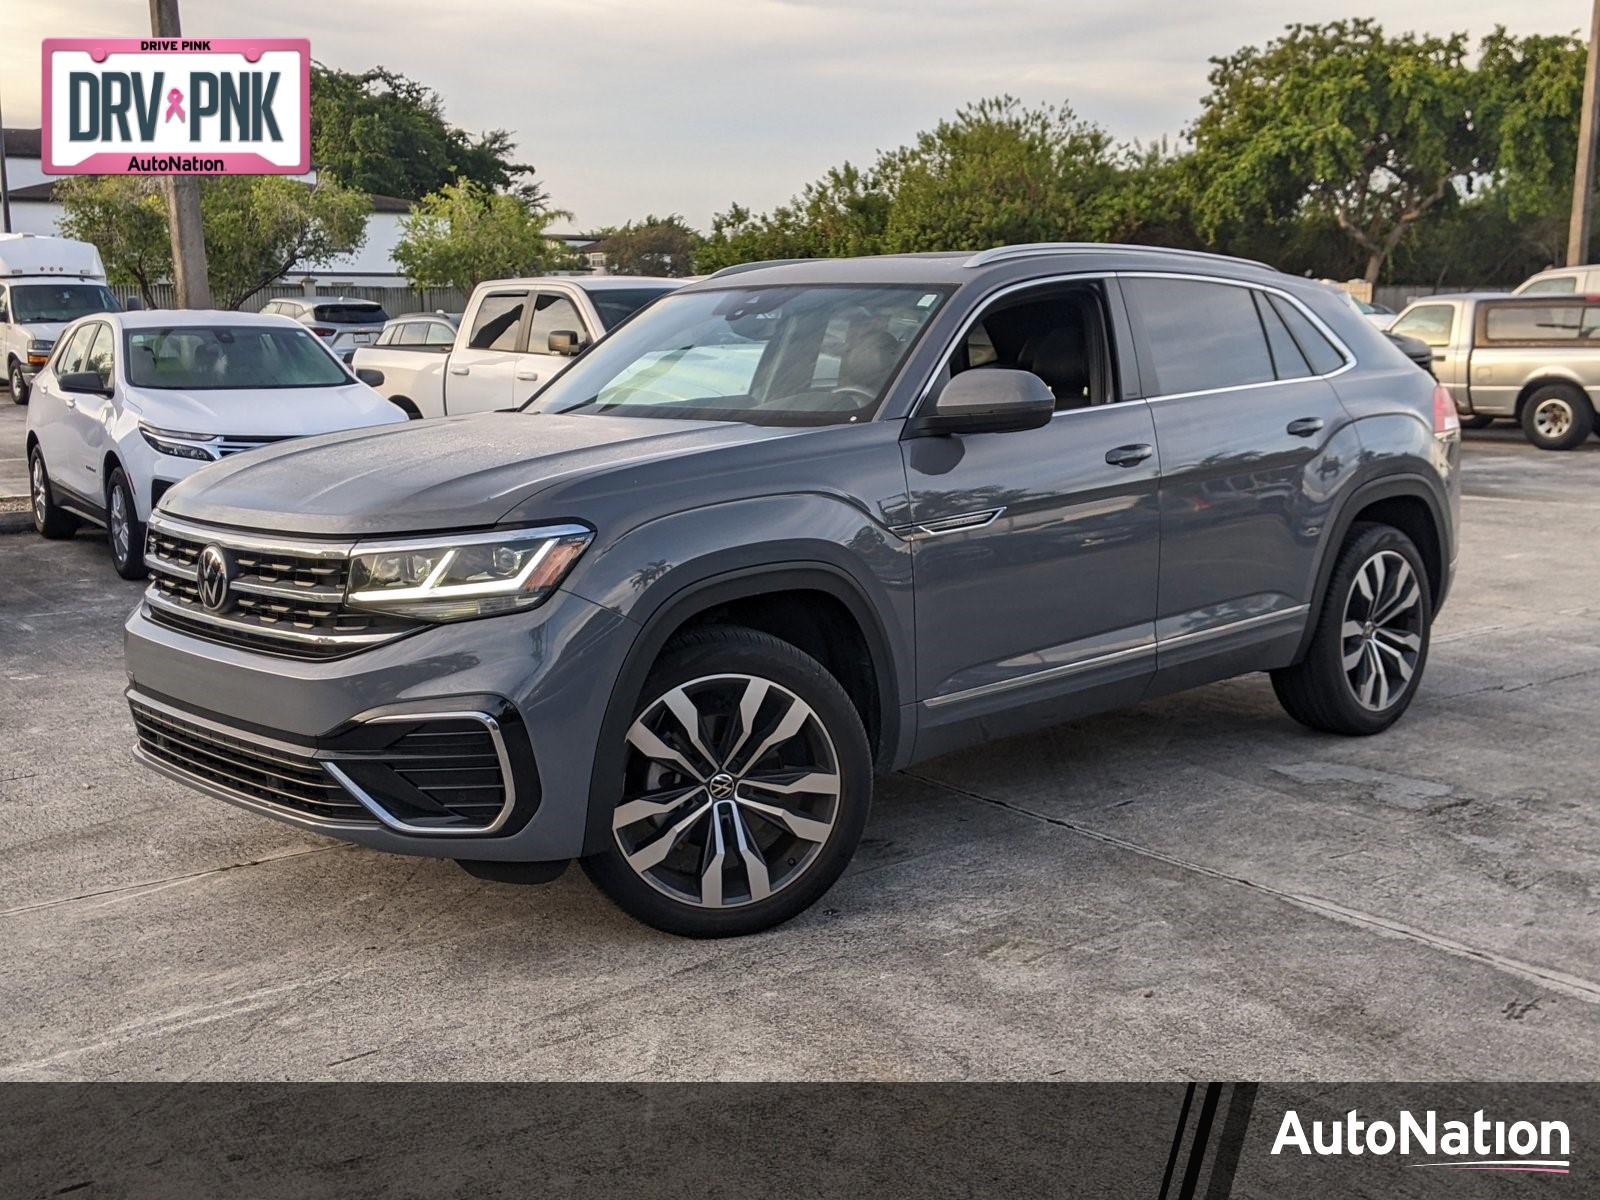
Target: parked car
{"type": "Point", "coordinates": [1379, 316]}
{"type": "Point", "coordinates": [791, 525]}
{"type": "Point", "coordinates": [346, 325]}
{"type": "Point", "coordinates": [1534, 359]}
{"type": "Point", "coordinates": [45, 282]}
{"type": "Point", "coordinates": [1560, 281]}
{"type": "Point", "coordinates": [130, 403]}
{"type": "Point", "coordinates": [410, 347]}
{"type": "Point", "coordinates": [515, 337]}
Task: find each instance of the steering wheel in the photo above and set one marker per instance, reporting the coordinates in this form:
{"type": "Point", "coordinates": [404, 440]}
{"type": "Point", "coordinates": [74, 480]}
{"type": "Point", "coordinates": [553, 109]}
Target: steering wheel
{"type": "Point", "coordinates": [864, 396]}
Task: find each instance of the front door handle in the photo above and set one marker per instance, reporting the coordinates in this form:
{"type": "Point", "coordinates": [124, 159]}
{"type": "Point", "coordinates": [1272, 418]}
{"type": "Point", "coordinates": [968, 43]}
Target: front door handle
{"type": "Point", "coordinates": [460, 370]}
{"type": "Point", "coordinates": [1438, 358]}
{"type": "Point", "coordinates": [1305, 426]}
{"type": "Point", "coordinates": [528, 376]}
{"type": "Point", "coordinates": [1131, 455]}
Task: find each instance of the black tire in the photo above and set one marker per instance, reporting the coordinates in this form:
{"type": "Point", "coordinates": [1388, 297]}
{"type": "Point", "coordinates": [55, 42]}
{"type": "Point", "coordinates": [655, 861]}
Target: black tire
{"type": "Point", "coordinates": [1558, 416]}
{"type": "Point", "coordinates": [1321, 691]}
{"type": "Point", "coordinates": [1477, 422]}
{"type": "Point", "coordinates": [50, 520]}
{"type": "Point", "coordinates": [722, 662]}
{"type": "Point", "coordinates": [17, 384]}
{"type": "Point", "coordinates": [124, 530]}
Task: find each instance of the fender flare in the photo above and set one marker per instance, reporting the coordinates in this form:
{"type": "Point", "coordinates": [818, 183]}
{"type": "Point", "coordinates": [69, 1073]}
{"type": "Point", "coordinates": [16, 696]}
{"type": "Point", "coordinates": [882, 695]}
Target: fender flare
{"type": "Point", "coordinates": [1385, 487]}
{"type": "Point", "coordinates": [655, 629]}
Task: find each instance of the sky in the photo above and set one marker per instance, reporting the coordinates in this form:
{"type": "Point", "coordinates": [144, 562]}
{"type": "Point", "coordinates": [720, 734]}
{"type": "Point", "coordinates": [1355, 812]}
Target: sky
{"type": "Point", "coordinates": [660, 106]}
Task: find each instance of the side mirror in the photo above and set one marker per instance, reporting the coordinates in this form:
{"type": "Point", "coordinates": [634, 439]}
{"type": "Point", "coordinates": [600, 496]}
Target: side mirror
{"type": "Point", "coordinates": [990, 400]}
{"type": "Point", "coordinates": [370, 376]}
{"type": "Point", "coordinates": [564, 342]}
{"type": "Point", "coordinates": [84, 383]}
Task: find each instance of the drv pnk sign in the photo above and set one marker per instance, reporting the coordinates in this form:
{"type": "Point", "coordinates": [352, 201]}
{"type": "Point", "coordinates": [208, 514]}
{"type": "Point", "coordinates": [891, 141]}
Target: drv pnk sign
{"type": "Point", "coordinates": [177, 106]}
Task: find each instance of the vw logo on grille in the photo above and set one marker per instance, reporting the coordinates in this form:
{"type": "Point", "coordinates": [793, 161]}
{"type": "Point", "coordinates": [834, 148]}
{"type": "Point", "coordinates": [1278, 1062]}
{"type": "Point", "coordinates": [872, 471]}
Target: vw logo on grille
{"type": "Point", "coordinates": [213, 579]}
{"type": "Point", "coordinates": [720, 786]}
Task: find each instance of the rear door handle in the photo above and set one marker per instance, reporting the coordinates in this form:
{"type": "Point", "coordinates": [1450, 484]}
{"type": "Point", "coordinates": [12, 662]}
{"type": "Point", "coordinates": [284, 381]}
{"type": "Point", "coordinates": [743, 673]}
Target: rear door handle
{"type": "Point", "coordinates": [1131, 455]}
{"type": "Point", "coordinates": [460, 370]}
{"type": "Point", "coordinates": [1305, 426]}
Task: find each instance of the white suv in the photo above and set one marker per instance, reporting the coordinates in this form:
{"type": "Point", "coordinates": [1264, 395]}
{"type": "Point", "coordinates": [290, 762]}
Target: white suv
{"type": "Point", "coordinates": [130, 403]}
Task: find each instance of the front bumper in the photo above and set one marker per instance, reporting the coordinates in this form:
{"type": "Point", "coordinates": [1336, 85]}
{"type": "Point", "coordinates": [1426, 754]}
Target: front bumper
{"type": "Point", "coordinates": [239, 715]}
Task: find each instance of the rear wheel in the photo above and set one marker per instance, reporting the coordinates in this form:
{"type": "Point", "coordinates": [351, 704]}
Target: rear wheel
{"type": "Point", "coordinates": [1371, 641]}
{"type": "Point", "coordinates": [124, 530]}
{"type": "Point", "coordinates": [49, 519]}
{"type": "Point", "coordinates": [746, 784]}
{"type": "Point", "coordinates": [1557, 417]}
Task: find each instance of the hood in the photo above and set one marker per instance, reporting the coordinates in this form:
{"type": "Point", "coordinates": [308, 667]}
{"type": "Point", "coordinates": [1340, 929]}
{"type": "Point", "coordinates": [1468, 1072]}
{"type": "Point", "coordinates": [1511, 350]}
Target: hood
{"type": "Point", "coordinates": [267, 412]}
{"type": "Point", "coordinates": [45, 331]}
{"type": "Point", "coordinates": [455, 473]}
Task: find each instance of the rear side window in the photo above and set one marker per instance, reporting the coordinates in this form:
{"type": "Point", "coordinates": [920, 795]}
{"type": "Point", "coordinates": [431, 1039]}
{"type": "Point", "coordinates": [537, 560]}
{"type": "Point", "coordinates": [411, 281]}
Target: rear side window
{"type": "Point", "coordinates": [1198, 336]}
{"type": "Point", "coordinates": [1322, 354]}
{"type": "Point", "coordinates": [1429, 323]}
{"type": "Point", "coordinates": [1560, 324]}
{"type": "Point", "coordinates": [439, 334]}
{"type": "Point", "coordinates": [351, 314]}
{"type": "Point", "coordinates": [1556, 285]}
{"type": "Point", "coordinates": [1287, 358]}
{"type": "Point", "coordinates": [411, 333]}
{"type": "Point", "coordinates": [495, 327]}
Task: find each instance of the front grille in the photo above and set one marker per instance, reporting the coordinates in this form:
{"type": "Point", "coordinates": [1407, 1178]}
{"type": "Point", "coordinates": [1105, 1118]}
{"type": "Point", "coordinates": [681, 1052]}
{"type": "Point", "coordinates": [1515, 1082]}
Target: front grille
{"type": "Point", "coordinates": [238, 444]}
{"type": "Point", "coordinates": [274, 774]}
{"type": "Point", "coordinates": [282, 602]}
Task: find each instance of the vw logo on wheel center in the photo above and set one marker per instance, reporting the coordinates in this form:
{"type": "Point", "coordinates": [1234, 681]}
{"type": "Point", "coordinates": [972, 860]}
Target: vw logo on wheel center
{"type": "Point", "coordinates": [213, 579]}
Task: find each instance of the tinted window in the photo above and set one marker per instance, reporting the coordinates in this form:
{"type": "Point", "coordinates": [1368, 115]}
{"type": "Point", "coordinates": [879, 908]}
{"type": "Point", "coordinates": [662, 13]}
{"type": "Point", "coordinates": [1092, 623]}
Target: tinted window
{"type": "Point", "coordinates": [1287, 359]}
{"type": "Point", "coordinates": [1556, 285]}
{"type": "Point", "coordinates": [552, 312]}
{"type": "Point", "coordinates": [227, 357]}
{"type": "Point", "coordinates": [617, 304]}
{"type": "Point", "coordinates": [73, 351]}
{"type": "Point", "coordinates": [437, 333]}
{"type": "Point", "coordinates": [1540, 323]}
{"type": "Point", "coordinates": [1198, 335]}
{"type": "Point", "coordinates": [1323, 356]}
{"type": "Point", "coordinates": [351, 314]}
{"type": "Point", "coordinates": [98, 359]}
{"type": "Point", "coordinates": [495, 326]}
{"type": "Point", "coordinates": [1430, 323]}
{"type": "Point", "coordinates": [59, 301]}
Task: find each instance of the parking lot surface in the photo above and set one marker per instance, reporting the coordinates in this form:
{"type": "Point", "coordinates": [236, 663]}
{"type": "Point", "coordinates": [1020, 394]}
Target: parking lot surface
{"type": "Point", "coordinates": [1195, 887]}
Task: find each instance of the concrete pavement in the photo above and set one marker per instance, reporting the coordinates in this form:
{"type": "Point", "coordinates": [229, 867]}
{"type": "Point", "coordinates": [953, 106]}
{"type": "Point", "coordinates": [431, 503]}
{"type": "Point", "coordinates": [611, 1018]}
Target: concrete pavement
{"type": "Point", "coordinates": [1194, 888]}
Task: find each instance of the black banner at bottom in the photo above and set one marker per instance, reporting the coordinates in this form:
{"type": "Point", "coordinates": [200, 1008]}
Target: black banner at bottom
{"type": "Point", "coordinates": [1152, 1141]}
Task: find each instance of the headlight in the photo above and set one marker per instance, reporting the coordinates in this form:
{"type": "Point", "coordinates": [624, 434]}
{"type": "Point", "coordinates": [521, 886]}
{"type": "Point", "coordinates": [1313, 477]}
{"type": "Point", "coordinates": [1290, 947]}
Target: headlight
{"type": "Point", "coordinates": [39, 352]}
{"type": "Point", "coordinates": [469, 575]}
{"type": "Point", "coordinates": [179, 445]}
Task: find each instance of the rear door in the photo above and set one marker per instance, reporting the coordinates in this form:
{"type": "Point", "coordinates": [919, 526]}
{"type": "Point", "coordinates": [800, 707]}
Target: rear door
{"type": "Point", "coordinates": [481, 375]}
{"type": "Point", "coordinates": [1251, 435]}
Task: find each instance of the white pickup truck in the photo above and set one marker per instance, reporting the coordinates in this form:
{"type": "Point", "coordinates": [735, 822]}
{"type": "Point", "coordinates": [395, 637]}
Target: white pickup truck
{"type": "Point", "coordinates": [515, 336]}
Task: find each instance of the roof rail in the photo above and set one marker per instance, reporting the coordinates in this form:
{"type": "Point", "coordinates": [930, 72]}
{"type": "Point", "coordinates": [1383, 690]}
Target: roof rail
{"type": "Point", "coordinates": [1005, 253]}
{"type": "Point", "coordinates": [741, 268]}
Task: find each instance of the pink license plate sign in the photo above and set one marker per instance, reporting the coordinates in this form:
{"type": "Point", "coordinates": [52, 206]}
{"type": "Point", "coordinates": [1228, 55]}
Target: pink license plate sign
{"type": "Point", "coordinates": [170, 106]}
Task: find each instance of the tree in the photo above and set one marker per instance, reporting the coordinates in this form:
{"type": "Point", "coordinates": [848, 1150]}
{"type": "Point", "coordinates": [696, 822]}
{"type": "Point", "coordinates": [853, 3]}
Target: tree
{"type": "Point", "coordinates": [1342, 120]}
{"type": "Point", "coordinates": [260, 227]}
{"type": "Point", "coordinates": [383, 133]}
{"type": "Point", "coordinates": [1530, 95]}
{"type": "Point", "coordinates": [842, 214]}
{"type": "Point", "coordinates": [653, 246]}
{"type": "Point", "coordinates": [124, 216]}
{"type": "Point", "coordinates": [464, 233]}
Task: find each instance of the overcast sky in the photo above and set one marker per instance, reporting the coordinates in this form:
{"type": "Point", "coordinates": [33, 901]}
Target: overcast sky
{"type": "Point", "coordinates": [634, 106]}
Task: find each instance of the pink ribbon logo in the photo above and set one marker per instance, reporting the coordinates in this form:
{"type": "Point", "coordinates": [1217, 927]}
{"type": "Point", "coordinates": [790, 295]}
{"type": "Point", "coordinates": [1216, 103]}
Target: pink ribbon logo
{"type": "Point", "coordinates": [175, 105]}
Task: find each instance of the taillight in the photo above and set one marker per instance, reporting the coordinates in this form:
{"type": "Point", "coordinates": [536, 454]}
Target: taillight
{"type": "Point", "coordinates": [323, 330]}
{"type": "Point", "coordinates": [1445, 421]}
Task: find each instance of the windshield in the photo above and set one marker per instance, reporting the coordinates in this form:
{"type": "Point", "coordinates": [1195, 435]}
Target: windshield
{"type": "Point", "coordinates": [31, 302]}
{"type": "Point", "coordinates": [801, 355]}
{"type": "Point", "coordinates": [616, 305]}
{"type": "Point", "coordinates": [205, 357]}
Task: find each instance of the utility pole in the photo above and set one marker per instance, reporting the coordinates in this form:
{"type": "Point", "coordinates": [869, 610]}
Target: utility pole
{"type": "Point", "coordinates": [189, 274]}
{"type": "Point", "coordinates": [1583, 177]}
{"type": "Point", "coordinates": [5, 192]}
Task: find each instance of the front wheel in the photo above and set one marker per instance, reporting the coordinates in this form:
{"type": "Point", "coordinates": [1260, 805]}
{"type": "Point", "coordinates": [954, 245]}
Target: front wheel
{"type": "Point", "coordinates": [124, 530]}
{"type": "Point", "coordinates": [1557, 417]}
{"type": "Point", "coordinates": [746, 783]}
{"type": "Point", "coordinates": [17, 383]}
{"type": "Point", "coordinates": [1371, 641]}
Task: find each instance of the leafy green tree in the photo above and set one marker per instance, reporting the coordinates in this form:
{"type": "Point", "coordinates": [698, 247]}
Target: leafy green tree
{"type": "Point", "coordinates": [1340, 119]}
{"type": "Point", "coordinates": [464, 233]}
{"type": "Point", "coordinates": [653, 246]}
{"type": "Point", "coordinates": [383, 133]}
{"type": "Point", "coordinates": [841, 215]}
{"type": "Point", "coordinates": [261, 227]}
{"type": "Point", "coordinates": [1530, 95]}
{"type": "Point", "coordinates": [125, 216]}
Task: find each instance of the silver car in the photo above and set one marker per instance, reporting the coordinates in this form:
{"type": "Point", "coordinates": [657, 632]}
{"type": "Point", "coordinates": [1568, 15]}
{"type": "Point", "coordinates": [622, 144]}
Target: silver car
{"type": "Point", "coordinates": [343, 323]}
{"type": "Point", "coordinates": [1534, 359]}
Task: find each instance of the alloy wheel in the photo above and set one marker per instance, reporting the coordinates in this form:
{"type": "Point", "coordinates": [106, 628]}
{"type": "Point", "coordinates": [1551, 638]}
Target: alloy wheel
{"type": "Point", "coordinates": [1381, 637]}
{"type": "Point", "coordinates": [121, 542]}
{"type": "Point", "coordinates": [40, 490]}
{"type": "Point", "coordinates": [1553, 417]}
{"type": "Point", "coordinates": [732, 788]}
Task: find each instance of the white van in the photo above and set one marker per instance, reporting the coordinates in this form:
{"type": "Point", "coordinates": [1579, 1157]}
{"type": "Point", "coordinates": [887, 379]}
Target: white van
{"type": "Point", "coordinates": [46, 283]}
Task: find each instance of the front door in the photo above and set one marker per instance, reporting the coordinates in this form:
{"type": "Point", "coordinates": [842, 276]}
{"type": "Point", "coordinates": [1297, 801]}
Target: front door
{"type": "Point", "coordinates": [1035, 552]}
{"type": "Point", "coordinates": [552, 313]}
{"type": "Point", "coordinates": [481, 376]}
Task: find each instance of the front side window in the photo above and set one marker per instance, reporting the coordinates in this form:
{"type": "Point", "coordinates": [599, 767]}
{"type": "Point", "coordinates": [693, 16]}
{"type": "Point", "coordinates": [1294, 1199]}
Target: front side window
{"type": "Point", "coordinates": [497, 321]}
{"type": "Point", "coordinates": [228, 357]}
{"type": "Point", "coordinates": [1429, 323]}
{"type": "Point", "coordinates": [550, 313]}
{"type": "Point", "coordinates": [787, 355]}
{"type": "Point", "coordinates": [72, 352]}
{"type": "Point", "coordinates": [1198, 335]}
{"type": "Point", "coordinates": [53, 302]}
{"type": "Point", "coordinates": [99, 356]}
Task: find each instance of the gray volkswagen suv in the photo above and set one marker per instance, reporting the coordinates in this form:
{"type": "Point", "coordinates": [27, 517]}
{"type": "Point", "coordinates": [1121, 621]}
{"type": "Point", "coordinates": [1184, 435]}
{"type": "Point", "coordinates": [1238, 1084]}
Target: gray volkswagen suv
{"type": "Point", "coordinates": [793, 525]}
